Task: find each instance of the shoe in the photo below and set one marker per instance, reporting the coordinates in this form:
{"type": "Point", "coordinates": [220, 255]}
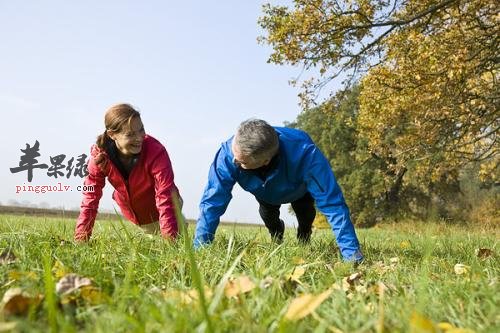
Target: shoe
{"type": "Point", "coordinates": [304, 236]}
{"type": "Point", "coordinates": [277, 235]}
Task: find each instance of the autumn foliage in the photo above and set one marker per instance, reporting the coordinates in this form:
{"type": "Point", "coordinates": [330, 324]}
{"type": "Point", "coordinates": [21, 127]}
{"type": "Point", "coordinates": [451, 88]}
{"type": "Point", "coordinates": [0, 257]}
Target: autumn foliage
{"type": "Point", "coordinates": [426, 107]}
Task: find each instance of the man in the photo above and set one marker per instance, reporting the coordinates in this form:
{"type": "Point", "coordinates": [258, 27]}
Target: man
{"type": "Point", "coordinates": [277, 165]}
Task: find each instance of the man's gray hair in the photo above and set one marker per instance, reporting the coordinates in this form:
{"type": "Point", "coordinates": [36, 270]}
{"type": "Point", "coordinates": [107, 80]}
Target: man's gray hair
{"type": "Point", "coordinates": [256, 139]}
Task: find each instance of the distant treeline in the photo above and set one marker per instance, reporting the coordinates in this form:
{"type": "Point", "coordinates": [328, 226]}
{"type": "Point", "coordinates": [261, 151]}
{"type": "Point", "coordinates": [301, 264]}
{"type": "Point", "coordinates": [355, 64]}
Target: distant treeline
{"type": "Point", "coordinates": [73, 214]}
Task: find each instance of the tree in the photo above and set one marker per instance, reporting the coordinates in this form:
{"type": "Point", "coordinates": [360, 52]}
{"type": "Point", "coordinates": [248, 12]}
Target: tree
{"type": "Point", "coordinates": [333, 127]}
{"type": "Point", "coordinates": [429, 100]}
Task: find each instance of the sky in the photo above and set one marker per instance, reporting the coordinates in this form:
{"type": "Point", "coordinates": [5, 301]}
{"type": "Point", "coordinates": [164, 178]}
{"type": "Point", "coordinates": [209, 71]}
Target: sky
{"type": "Point", "coordinates": [193, 68]}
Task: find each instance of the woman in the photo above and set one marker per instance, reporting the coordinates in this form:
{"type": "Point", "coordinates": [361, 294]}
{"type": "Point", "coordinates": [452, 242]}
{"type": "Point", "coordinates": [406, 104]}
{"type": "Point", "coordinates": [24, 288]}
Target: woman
{"type": "Point", "coordinates": [138, 167]}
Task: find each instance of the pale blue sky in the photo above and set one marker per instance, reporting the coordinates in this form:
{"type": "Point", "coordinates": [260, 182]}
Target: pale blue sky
{"type": "Point", "coordinates": [193, 69]}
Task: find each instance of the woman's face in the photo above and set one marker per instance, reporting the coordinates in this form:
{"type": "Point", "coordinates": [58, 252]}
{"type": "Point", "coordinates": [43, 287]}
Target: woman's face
{"type": "Point", "coordinates": [129, 141]}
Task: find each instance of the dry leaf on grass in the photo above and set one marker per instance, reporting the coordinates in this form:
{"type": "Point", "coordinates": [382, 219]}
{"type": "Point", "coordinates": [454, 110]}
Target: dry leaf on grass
{"type": "Point", "coordinates": [461, 269]}
{"type": "Point", "coordinates": [296, 274]}
{"type": "Point", "coordinates": [305, 305]}
{"type": "Point", "coordinates": [449, 328]}
{"type": "Point", "coordinates": [17, 302]}
{"type": "Point", "coordinates": [93, 295]}
{"type": "Point", "coordinates": [17, 275]}
{"type": "Point", "coordinates": [484, 253]}
{"type": "Point", "coordinates": [70, 283]}
{"type": "Point", "coordinates": [187, 297]}
{"type": "Point", "coordinates": [404, 244]}
{"type": "Point", "coordinates": [7, 257]}
{"type": "Point", "coordinates": [59, 270]}
{"type": "Point", "coordinates": [238, 286]}
{"type": "Point", "coordinates": [421, 324]}
{"type": "Point", "coordinates": [72, 288]}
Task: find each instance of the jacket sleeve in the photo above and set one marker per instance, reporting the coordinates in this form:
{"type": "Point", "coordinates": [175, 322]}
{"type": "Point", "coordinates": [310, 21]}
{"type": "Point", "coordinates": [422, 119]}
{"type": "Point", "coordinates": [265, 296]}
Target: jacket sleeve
{"type": "Point", "coordinates": [322, 185]}
{"type": "Point", "coordinates": [90, 201]}
{"type": "Point", "coordinates": [165, 189]}
{"type": "Point", "coordinates": [215, 199]}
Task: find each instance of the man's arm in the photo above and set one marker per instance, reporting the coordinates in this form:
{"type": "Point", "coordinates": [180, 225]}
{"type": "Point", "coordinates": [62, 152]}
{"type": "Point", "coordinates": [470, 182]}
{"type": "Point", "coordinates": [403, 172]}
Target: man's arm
{"type": "Point", "coordinates": [323, 187]}
{"type": "Point", "coordinates": [215, 198]}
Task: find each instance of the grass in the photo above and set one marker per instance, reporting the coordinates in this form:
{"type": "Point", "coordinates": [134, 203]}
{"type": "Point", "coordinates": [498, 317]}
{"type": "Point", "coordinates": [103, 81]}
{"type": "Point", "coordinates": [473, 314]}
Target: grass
{"type": "Point", "coordinates": [144, 279]}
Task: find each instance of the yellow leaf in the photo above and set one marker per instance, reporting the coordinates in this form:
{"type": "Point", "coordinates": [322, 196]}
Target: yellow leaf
{"type": "Point", "coordinates": [195, 295]}
{"type": "Point", "coordinates": [305, 304]}
{"type": "Point", "coordinates": [404, 244]}
{"type": "Point", "coordinates": [187, 297]}
{"type": "Point", "coordinates": [17, 275]}
{"type": "Point", "coordinates": [445, 326]}
{"type": "Point", "coordinates": [17, 302]}
{"type": "Point", "coordinates": [461, 269]}
{"type": "Point", "coordinates": [421, 324]}
{"type": "Point", "coordinates": [180, 296]}
{"type": "Point", "coordinates": [297, 273]}
{"type": "Point", "coordinates": [93, 295]}
{"type": "Point", "coordinates": [237, 286]}
{"type": "Point", "coordinates": [59, 270]}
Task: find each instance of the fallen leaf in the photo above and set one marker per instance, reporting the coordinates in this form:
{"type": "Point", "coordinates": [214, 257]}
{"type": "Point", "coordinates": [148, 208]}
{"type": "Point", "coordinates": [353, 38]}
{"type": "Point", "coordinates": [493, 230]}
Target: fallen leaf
{"type": "Point", "coordinates": [178, 295]}
{"type": "Point", "coordinates": [70, 283]}
{"type": "Point", "coordinates": [92, 295]}
{"type": "Point", "coordinates": [354, 277]}
{"type": "Point", "coordinates": [394, 261]}
{"type": "Point", "coordinates": [484, 253]}
{"type": "Point", "coordinates": [421, 324]}
{"type": "Point", "coordinates": [380, 288]}
{"type": "Point", "coordinates": [297, 273]}
{"type": "Point", "coordinates": [445, 326]}
{"type": "Point", "coordinates": [350, 282]}
{"type": "Point", "coordinates": [195, 294]}
{"type": "Point", "coordinates": [382, 268]}
{"type": "Point", "coordinates": [461, 269]}
{"type": "Point", "coordinates": [449, 328]}
{"type": "Point", "coordinates": [404, 244]}
{"type": "Point", "coordinates": [59, 270]}
{"type": "Point", "coordinates": [17, 302]}
{"type": "Point", "coordinates": [305, 304]}
{"type": "Point", "coordinates": [7, 257]}
{"type": "Point", "coordinates": [237, 286]}
{"type": "Point", "coordinates": [187, 297]}
{"type": "Point", "coordinates": [17, 275]}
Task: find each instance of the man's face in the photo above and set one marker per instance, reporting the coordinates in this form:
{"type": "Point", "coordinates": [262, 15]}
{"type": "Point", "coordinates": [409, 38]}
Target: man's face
{"type": "Point", "coordinates": [129, 141]}
{"type": "Point", "coordinates": [246, 162]}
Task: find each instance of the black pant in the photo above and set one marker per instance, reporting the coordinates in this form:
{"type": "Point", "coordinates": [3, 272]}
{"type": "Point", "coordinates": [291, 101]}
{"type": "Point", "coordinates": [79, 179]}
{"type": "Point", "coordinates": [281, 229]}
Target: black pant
{"type": "Point", "coordinates": [304, 211]}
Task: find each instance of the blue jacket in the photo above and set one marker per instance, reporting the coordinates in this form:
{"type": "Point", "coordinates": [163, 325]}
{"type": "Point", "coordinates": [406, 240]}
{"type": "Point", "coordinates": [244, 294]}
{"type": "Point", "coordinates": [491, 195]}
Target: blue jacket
{"type": "Point", "coordinates": [301, 168]}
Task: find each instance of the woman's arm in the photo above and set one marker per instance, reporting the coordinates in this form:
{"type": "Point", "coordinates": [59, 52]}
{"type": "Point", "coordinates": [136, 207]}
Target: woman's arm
{"type": "Point", "coordinates": [90, 201]}
{"type": "Point", "coordinates": [165, 189]}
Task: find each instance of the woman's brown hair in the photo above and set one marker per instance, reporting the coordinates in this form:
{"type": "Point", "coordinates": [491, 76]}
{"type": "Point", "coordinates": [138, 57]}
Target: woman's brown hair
{"type": "Point", "coordinates": [116, 118]}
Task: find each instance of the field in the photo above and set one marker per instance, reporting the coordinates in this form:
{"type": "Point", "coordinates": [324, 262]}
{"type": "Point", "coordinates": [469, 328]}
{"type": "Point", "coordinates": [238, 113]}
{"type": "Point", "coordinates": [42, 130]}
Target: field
{"type": "Point", "coordinates": [417, 277]}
